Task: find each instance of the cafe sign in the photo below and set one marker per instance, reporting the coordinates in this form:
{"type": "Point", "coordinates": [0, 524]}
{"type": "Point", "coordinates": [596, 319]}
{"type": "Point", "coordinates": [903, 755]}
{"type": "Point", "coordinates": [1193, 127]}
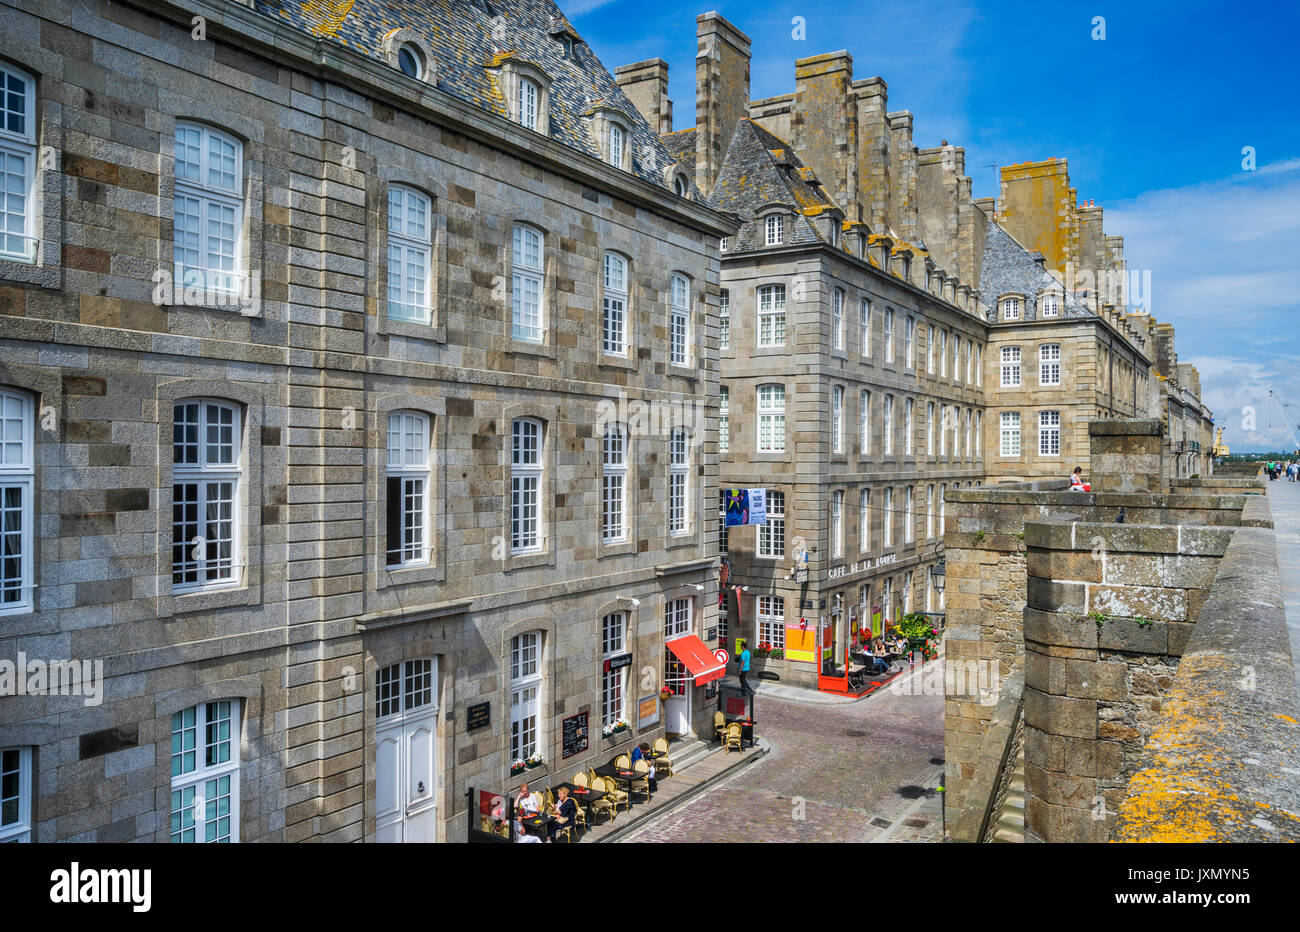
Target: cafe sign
{"type": "Point", "coordinates": [835, 572]}
{"type": "Point", "coordinates": [617, 663]}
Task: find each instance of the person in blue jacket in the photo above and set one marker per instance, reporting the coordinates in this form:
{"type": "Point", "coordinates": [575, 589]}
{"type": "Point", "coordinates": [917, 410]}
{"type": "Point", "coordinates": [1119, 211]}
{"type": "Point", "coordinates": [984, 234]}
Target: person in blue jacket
{"type": "Point", "coordinates": [743, 660]}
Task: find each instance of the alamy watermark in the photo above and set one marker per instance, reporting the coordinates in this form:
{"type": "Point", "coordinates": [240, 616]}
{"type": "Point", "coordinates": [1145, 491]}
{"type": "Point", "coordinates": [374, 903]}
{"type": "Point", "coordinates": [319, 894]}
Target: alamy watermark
{"type": "Point", "coordinates": [24, 677]}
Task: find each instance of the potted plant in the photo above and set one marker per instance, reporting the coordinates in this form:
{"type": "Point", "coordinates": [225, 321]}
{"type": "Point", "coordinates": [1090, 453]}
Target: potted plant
{"type": "Point", "coordinates": [534, 761]}
{"type": "Point", "coordinates": [614, 728]}
{"type": "Point", "coordinates": [517, 767]}
{"type": "Point", "coordinates": [666, 693]}
{"type": "Point", "coordinates": [920, 632]}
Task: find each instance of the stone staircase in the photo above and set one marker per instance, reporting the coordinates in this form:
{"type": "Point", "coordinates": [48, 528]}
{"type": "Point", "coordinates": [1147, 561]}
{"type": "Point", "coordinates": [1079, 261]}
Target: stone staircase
{"type": "Point", "coordinates": [1009, 819]}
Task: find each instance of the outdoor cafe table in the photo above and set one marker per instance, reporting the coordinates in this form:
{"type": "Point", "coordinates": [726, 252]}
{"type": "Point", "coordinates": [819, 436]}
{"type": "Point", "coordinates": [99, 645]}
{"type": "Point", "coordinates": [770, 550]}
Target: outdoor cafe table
{"type": "Point", "coordinates": [583, 795]}
{"type": "Point", "coordinates": [536, 825]}
{"type": "Point", "coordinates": [621, 776]}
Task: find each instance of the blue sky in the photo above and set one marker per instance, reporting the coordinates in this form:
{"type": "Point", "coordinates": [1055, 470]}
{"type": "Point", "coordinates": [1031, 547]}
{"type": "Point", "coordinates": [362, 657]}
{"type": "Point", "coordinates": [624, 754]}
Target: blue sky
{"type": "Point", "coordinates": [1153, 120]}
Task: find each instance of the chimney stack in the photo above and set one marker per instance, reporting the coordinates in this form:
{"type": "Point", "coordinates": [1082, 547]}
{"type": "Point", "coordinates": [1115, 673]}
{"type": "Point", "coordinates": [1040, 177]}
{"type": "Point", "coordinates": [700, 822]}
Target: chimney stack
{"type": "Point", "coordinates": [721, 93]}
{"type": "Point", "coordinates": [646, 85]}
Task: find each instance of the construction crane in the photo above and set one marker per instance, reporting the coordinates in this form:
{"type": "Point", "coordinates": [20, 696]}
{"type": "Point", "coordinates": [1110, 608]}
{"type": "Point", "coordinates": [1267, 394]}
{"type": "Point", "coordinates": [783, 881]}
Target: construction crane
{"type": "Point", "coordinates": [1290, 424]}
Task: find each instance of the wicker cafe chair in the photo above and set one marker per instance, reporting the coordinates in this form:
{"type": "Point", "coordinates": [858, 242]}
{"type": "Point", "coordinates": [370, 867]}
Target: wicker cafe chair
{"type": "Point", "coordinates": [602, 805]}
{"type": "Point", "coordinates": [719, 725]}
{"type": "Point", "coordinates": [733, 737]}
{"type": "Point", "coordinates": [618, 797]}
{"type": "Point", "coordinates": [663, 766]}
{"type": "Point", "coordinates": [567, 829]}
{"type": "Point", "coordinates": [580, 778]}
{"type": "Point", "coordinates": [641, 782]}
{"type": "Point", "coordinates": [623, 762]}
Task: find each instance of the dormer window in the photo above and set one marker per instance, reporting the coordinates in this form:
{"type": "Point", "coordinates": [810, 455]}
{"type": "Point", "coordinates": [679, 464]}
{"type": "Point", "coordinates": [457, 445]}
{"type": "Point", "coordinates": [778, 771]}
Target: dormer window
{"type": "Point", "coordinates": [617, 143]}
{"type": "Point", "coordinates": [408, 60]}
{"type": "Point", "coordinates": [526, 88]}
{"type": "Point", "coordinates": [722, 244]}
{"type": "Point", "coordinates": [406, 51]}
{"type": "Point", "coordinates": [1051, 305]}
{"type": "Point", "coordinates": [680, 186]}
{"type": "Point", "coordinates": [775, 230]}
{"type": "Point", "coordinates": [529, 103]}
{"type": "Point", "coordinates": [1010, 308]}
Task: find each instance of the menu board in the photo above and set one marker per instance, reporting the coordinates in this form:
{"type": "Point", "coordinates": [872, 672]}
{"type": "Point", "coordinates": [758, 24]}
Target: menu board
{"type": "Point", "coordinates": [575, 734]}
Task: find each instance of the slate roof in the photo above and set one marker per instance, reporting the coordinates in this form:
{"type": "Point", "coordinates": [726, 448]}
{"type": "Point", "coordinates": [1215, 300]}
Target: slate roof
{"type": "Point", "coordinates": [753, 177]}
{"type": "Point", "coordinates": [461, 35]}
{"type": "Point", "coordinates": [1009, 268]}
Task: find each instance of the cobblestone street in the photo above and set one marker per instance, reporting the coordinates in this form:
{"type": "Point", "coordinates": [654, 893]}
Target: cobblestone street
{"type": "Point", "coordinates": [855, 772]}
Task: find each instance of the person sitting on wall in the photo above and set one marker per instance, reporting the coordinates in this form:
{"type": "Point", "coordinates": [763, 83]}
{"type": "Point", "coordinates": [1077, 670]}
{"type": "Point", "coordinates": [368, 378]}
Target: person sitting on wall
{"type": "Point", "coordinates": [1076, 481]}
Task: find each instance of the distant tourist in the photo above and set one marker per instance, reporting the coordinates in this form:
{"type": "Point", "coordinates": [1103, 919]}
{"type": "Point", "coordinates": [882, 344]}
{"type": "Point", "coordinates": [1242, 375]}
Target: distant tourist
{"type": "Point", "coordinates": [1076, 481]}
{"type": "Point", "coordinates": [743, 659]}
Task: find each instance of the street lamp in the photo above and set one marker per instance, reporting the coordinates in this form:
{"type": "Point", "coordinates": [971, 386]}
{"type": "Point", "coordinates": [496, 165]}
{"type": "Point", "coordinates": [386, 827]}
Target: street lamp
{"type": "Point", "coordinates": [938, 571]}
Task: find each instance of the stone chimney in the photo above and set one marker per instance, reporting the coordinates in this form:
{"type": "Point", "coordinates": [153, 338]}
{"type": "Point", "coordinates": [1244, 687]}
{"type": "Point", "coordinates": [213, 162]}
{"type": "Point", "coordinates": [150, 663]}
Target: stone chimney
{"type": "Point", "coordinates": [721, 93]}
{"type": "Point", "coordinates": [903, 201]}
{"type": "Point", "coordinates": [825, 123]}
{"type": "Point", "coordinates": [875, 171]}
{"type": "Point", "coordinates": [646, 85]}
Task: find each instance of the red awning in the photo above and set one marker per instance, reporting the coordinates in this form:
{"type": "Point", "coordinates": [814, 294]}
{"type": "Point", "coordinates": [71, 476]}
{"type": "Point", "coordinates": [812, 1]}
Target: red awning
{"type": "Point", "coordinates": [693, 652]}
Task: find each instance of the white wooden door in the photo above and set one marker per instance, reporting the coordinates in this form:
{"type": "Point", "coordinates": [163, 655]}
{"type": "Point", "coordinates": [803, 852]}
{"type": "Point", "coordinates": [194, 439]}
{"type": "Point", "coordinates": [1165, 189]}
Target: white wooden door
{"type": "Point", "coordinates": [406, 753]}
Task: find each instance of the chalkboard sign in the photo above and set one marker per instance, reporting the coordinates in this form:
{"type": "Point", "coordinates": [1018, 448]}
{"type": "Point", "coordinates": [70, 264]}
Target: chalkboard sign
{"type": "Point", "coordinates": [478, 716]}
{"type": "Point", "coordinates": [575, 734]}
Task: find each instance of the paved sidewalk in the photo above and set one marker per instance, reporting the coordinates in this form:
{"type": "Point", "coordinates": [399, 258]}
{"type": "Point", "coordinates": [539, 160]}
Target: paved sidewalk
{"type": "Point", "coordinates": [1284, 502]}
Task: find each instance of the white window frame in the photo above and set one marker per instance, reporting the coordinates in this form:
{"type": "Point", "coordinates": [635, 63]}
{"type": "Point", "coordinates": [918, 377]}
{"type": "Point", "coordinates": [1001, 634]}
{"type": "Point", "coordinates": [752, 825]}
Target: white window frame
{"type": "Point", "coordinates": [888, 423]}
{"type": "Point", "coordinates": [769, 621]}
{"type": "Point", "coordinates": [530, 103]}
{"type": "Point", "coordinates": [19, 769]}
{"type": "Point", "coordinates": [405, 687]}
{"type": "Point", "coordinates": [17, 495]}
{"type": "Point", "coordinates": [724, 419]}
{"type": "Point", "coordinates": [771, 315]}
{"type": "Point", "coordinates": [1051, 305]}
{"type": "Point", "coordinates": [1049, 364]}
{"type": "Point", "coordinates": [770, 415]}
{"type": "Point", "coordinates": [837, 319]}
{"type": "Point", "coordinates": [613, 484]}
{"type": "Point", "coordinates": [774, 230]}
{"type": "Point", "coordinates": [17, 166]}
{"type": "Point", "coordinates": [527, 455]}
{"type": "Point", "coordinates": [889, 335]}
{"type": "Point", "coordinates": [679, 482]}
{"type": "Point", "coordinates": [410, 243]}
{"type": "Point", "coordinates": [930, 340]}
{"type": "Point", "coordinates": [616, 270]}
{"type": "Point", "coordinates": [864, 521]}
{"type": "Point", "coordinates": [613, 686]}
{"type": "Point", "coordinates": [887, 518]}
{"type": "Point", "coordinates": [837, 419]}
{"type": "Point", "coordinates": [1011, 308]}
{"type": "Point", "coordinates": [527, 284]}
{"type": "Point", "coordinates": [208, 202]}
{"type": "Point", "coordinates": [771, 535]}
{"type": "Point", "coordinates": [864, 325]}
{"type": "Point", "coordinates": [208, 475]}
{"type": "Point", "coordinates": [909, 342]}
{"type": "Point", "coordinates": [943, 503]}
{"type": "Point", "coordinates": [909, 407]}
{"type": "Point", "coordinates": [909, 519]}
{"type": "Point", "coordinates": [1049, 433]}
{"type": "Point", "coordinates": [943, 354]}
{"type": "Point", "coordinates": [929, 511]}
{"type": "Point", "coordinates": [929, 428]}
{"type": "Point", "coordinates": [194, 742]}
{"type": "Point", "coordinates": [1010, 434]}
{"type": "Point", "coordinates": [837, 524]}
{"type": "Point", "coordinates": [979, 431]}
{"type": "Point", "coordinates": [408, 461]}
{"type": "Point", "coordinates": [943, 431]}
{"type": "Point", "coordinates": [616, 139]}
{"type": "Point", "coordinates": [679, 321]}
{"type": "Point", "coordinates": [526, 683]}
{"type": "Point", "coordinates": [956, 357]}
{"type": "Point", "coordinates": [979, 365]}
{"type": "Point", "coordinates": [1011, 357]}
{"type": "Point", "coordinates": [864, 422]}
{"type": "Point", "coordinates": [724, 319]}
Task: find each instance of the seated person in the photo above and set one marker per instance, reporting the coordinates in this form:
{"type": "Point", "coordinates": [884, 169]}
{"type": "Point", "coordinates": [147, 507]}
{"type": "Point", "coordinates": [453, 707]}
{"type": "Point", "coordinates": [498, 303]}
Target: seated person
{"type": "Point", "coordinates": [643, 753]}
{"type": "Point", "coordinates": [528, 803]}
{"type": "Point", "coordinates": [639, 752]}
{"type": "Point", "coordinates": [565, 811]}
{"type": "Point", "coordinates": [522, 837]}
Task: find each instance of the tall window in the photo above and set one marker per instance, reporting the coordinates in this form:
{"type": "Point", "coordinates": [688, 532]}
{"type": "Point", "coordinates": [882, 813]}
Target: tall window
{"type": "Point", "coordinates": [837, 318]}
{"type": "Point", "coordinates": [17, 165]}
{"type": "Point", "coordinates": [864, 521]}
{"type": "Point", "coordinates": [15, 795]}
{"type": "Point", "coordinates": [771, 315]}
{"type": "Point", "coordinates": [722, 522]}
{"type": "Point", "coordinates": [617, 139]}
{"type": "Point", "coordinates": [679, 326]}
{"type": "Point", "coordinates": [909, 342]}
{"type": "Point", "coordinates": [943, 430]}
{"type": "Point", "coordinates": [909, 520]}
{"type": "Point", "coordinates": [943, 503]}
{"type": "Point", "coordinates": [525, 485]}
{"type": "Point", "coordinates": [889, 424]}
{"type": "Point", "coordinates": [209, 207]}
{"type": "Point", "coordinates": [527, 284]}
{"type": "Point", "coordinates": [837, 419]}
{"type": "Point", "coordinates": [1049, 433]}
{"type": "Point", "coordinates": [1049, 364]}
{"type": "Point", "coordinates": [530, 97]}
{"type": "Point", "coordinates": [613, 636]}
{"type": "Point", "coordinates": [206, 467]}
{"type": "Point", "coordinates": [966, 422]}
{"type": "Point", "coordinates": [771, 620]}
{"type": "Point", "coordinates": [1010, 366]}
{"type": "Point", "coordinates": [907, 592]}
{"type": "Point", "coordinates": [775, 230]}
{"type": "Point", "coordinates": [1010, 433]}
{"type": "Point", "coordinates": [407, 488]}
{"type": "Point", "coordinates": [677, 618]}
{"type": "Point", "coordinates": [613, 499]}
{"type": "Point", "coordinates": [956, 357]}
{"type": "Point", "coordinates": [205, 774]}
{"type": "Point", "coordinates": [724, 419]}
{"type": "Point", "coordinates": [679, 509]}
{"type": "Point", "coordinates": [1011, 309]}
{"type": "Point", "coordinates": [979, 431]}
{"type": "Point", "coordinates": [1051, 305]}
{"type": "Point", "coordinates": [525, 694]}
{"type": "Point", "coordinates": [943, 353]}
{"type": "Point", "coordinates": [771, 536]}
{"type": "Point", "coordinates": [864, 422]}
{"type": "Point", "coordinates": [837, 524]}
{"type": "Point", "coordinates": [889, 335]}
{"type": "Point", "coordinates": [887, 518]}
{"type": "Point", "coordinates": [409, 251]}
{"type": "Point", "coordinates": [969, 355]}
{"type": "Point", "coordinates": [929, 428]}
{"type": "Point", "coordinates": [17, 478]}
{"type": "Point", "coordinates": [614, 306]}
{"type": "Point", "coordinates": [724, 320]}
{"type": "Point", "coordinates": [865, 326]}
{"type": "Point", "coordinates": [908, 425]}
{"type": "Point", "coordinates": [771, 418]}
{"type": "Point", "coordinates": [979, 365]}
{"type": "Point", "coordinates": [929, 511]}
{"type": "Point", "coordinates": [402, 687]}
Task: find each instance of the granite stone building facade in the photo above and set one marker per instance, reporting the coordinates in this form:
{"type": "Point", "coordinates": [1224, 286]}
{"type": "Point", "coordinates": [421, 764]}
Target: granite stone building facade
{"type": "Point", "coordinates": [317, 332]}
